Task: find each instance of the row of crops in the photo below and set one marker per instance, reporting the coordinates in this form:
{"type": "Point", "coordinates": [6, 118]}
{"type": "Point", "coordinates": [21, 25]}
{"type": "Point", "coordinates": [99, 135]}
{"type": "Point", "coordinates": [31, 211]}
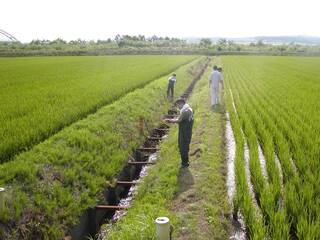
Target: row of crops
{"type": "Point", "coordinates": [40, 96]}
{"type": "Point", "coordinates": [49, 187]}
{"type": "Point", "coordinates": [273, 103]}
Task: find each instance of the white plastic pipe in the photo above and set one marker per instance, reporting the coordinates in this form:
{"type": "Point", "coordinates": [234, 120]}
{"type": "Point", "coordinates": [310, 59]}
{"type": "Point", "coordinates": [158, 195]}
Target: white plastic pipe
{"type": "Point", "coordinates": [163, 228]}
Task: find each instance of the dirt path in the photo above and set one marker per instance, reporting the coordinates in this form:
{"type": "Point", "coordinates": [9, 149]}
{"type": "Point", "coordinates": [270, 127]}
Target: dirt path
{"type": "Point", "coordinates": [201, 203]}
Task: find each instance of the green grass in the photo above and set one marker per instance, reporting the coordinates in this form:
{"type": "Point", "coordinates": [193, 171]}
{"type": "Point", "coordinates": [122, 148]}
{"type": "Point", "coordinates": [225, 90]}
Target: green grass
{"type": "Point", "coordinates": [278, 103]}
{"type": "Point", "coordinates": [49, 187]}
{"type": "Point", "coordinates": [41, 95]}
{"type": "Point", "coordinates": [199, 192]}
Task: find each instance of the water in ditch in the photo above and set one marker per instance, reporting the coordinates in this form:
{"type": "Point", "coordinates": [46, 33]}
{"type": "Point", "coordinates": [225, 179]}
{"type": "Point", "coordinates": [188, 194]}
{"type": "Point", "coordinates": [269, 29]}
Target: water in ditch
{"type": "Point", "coordinates": [105, 229]}
{"type": "Point", "coordinates": [231, 154]}
{"type": "Point", "coordinates": [238, 230]}
{"type": "Point", "coordinates": [262, 160]}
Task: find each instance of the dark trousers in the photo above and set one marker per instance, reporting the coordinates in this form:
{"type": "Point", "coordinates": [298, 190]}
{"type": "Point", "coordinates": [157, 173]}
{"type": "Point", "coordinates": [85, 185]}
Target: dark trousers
{"type": "Point", "coordinates": [184, 139]}
{"type": "Point", "coordinates": [170, 90]}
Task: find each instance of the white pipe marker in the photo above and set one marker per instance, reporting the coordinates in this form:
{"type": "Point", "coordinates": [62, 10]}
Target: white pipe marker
{"type": "Point", "coordinates": [163, 228]}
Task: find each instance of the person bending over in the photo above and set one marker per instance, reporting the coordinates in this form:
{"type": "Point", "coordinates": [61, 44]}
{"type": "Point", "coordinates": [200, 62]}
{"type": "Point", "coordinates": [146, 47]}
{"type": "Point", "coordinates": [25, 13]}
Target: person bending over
{"type": "Point", "coordinates": [171, 82]}
{"type": "Point", "coordinates": [185, 122]}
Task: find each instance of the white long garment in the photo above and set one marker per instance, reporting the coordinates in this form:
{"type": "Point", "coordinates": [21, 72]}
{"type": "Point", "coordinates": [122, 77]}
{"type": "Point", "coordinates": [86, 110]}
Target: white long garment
{"type": "Point", "coordinates": [214, 79]}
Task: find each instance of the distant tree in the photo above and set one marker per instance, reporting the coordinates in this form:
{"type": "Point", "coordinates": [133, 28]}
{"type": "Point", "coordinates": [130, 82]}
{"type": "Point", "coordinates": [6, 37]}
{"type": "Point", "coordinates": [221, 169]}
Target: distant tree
{"type": "Point", "coordinates": [58, 41]}
{"type": "Point", "coordinates": [282, 48]}
{"type": "Point", "coordinates": [260, 43]}
{"type": "Point", "coordinates": [230, 42]}
{"type": "Point", "coordinates": [205, 42]}
{"type": "Point", "coordinates": [230, 45]}
{"type": "Point", "coordinates": [35, 42]}
{"type": "Point", "coordinates": [142, 38]}
{"type": "Point", "coordinates": [154, 38]}
{"type": "Point", "coordinates": [121, 43]}
{"type": "Point", "coordinates": [222, 42]}
{"type": "Point", "coordinates": [104, 41]}
{"type": "Point", "coordinates": [117, 38]}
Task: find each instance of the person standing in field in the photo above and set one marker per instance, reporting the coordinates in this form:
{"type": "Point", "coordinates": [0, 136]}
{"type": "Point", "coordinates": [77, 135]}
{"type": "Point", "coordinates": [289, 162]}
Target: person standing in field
{"type": "Point", "coordinates": [171, 82]}
{"type": "Point", "coordinates": [185, 121]}
{"type": "Point", "coordinates": [214, 82]}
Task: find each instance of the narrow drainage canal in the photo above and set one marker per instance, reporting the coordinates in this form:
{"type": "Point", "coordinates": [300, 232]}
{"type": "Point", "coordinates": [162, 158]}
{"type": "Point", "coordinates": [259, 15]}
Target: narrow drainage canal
{"type": "Point", "coordinates": [238, 226]}
{"type": "Point", "coordinates": [231, 154]}
{"type": "Point", "coordinates": [117, 198]}
{"type": "Point", "coordinates": [246, 161]}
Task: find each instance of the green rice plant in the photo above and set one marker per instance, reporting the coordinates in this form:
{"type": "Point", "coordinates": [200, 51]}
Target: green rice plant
{"type": "Point", "coordinates": [66, 174]}
{"type": "Point", "coordinates": [42, 95]}
{"type": "Point", "coordinates": [267, 195]}
{"type": "Point", "coordinates": [243, 200]}
{"type": "Point", "coordinates": [278, 95]}
{"type": "Point", "coordinates": [294, 215]}
{"type": "Point", "coordinates": [257, 178]}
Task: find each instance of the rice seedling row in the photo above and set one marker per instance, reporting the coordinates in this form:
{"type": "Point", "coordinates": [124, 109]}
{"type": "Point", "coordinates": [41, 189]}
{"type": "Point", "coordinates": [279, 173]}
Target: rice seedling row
{"type": "Point", "coordinates": [42, 95]}
{"type": "Point", "coordinates": [269, 89]}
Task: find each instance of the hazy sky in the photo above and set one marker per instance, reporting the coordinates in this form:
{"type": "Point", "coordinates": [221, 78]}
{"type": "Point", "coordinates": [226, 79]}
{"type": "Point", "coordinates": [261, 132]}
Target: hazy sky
{"type": "Point", "coordinates": [100, 19]}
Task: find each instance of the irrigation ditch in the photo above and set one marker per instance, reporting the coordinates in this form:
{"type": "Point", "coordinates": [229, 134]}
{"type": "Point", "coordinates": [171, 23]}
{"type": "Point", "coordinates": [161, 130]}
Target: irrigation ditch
{"type": "Point", "coordinates": [238, 225]}
{"type": "Point", "coordinates": [117, 197]}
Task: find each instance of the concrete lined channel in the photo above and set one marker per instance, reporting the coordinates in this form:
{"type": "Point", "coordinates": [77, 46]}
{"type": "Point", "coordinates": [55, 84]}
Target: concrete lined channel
{"type": "Point", "coordinates": [117, 198]}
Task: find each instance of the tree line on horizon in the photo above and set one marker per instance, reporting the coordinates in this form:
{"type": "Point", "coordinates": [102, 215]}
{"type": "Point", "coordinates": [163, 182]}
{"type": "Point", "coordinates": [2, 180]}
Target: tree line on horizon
{"type": "Point", "coordinates": [140, 44]}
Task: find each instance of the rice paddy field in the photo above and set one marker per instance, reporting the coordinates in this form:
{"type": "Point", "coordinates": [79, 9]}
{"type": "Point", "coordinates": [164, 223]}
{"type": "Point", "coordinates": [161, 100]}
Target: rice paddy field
{"type": "Point", "coordinates": [49, 187]}
{"type": "Point", "coordinates": [41, 95]}
{"type": "Point", "coordinates": [69, 125]}
{"type": "Point", "coordinates": [273, 104]}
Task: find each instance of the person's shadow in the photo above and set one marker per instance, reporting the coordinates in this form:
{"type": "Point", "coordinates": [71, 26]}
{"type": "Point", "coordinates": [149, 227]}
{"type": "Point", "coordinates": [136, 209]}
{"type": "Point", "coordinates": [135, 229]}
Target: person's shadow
{"type": "Point", "coordinates": [185, 180]}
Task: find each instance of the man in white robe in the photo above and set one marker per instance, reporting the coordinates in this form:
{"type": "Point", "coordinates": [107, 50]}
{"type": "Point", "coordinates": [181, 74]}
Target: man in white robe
{"type": "Point", "coordinates": [214, 82]}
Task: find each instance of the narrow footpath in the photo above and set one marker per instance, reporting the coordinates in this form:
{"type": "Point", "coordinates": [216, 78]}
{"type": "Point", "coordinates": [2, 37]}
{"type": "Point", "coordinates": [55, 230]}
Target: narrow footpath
{"type": "Point", "coordinates": [200, 203]}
